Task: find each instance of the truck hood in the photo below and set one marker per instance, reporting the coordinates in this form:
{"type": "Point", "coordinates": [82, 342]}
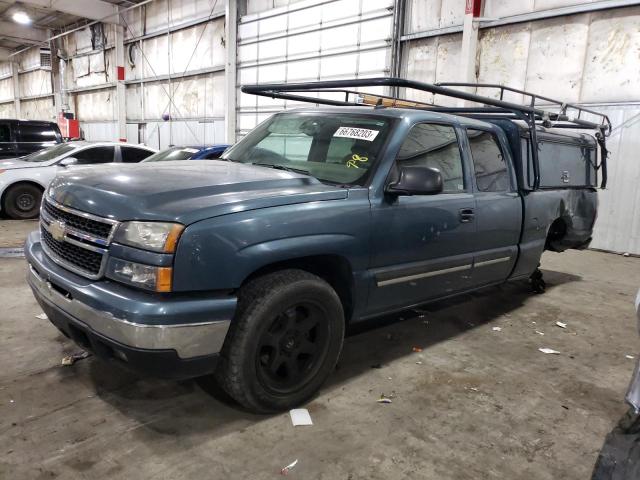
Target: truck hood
{"type": "Point", "coordinates": [183, 191]}
{"type": "Point", "coordinates": [11, 163]}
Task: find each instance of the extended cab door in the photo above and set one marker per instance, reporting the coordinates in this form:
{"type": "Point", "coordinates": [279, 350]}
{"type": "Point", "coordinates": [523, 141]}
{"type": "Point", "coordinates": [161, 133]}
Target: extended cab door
{"type": "Point", "coordinates": [498, 212]}
{"type": "Point", "coordinates": [423, 245]}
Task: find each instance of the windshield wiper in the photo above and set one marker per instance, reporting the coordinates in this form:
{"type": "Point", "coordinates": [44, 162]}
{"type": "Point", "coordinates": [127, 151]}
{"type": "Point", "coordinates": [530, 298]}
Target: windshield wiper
{"type": "Point", "coordinates": [283, 167]}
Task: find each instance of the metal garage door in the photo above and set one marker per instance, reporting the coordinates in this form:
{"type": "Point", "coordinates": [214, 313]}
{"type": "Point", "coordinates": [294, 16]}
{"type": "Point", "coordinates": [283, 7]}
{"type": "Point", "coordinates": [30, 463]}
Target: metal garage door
{"type": "Point", "coordinates": [310, 40]}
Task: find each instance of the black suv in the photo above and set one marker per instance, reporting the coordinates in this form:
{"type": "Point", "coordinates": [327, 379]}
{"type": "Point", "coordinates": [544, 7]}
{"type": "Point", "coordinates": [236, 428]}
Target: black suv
{"type": "Point", "coordinates": [22, 137]}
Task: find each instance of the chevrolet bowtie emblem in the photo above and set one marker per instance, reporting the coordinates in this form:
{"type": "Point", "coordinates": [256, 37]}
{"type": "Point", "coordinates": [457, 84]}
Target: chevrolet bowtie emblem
{"type": "Point", "coordinates": [57, 230]}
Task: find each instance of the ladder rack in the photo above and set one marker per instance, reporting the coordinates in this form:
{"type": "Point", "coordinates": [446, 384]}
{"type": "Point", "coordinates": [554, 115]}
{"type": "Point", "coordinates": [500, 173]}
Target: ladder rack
{"type": "Point", "coordinates": [537, 111]}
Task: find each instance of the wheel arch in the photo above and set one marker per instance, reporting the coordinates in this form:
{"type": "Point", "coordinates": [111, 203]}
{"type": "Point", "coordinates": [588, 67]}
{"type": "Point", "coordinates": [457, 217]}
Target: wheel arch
{"type": "Point", "coordinates": [9, 186]}
{"type": "Point", "coordinates": [335, 269]}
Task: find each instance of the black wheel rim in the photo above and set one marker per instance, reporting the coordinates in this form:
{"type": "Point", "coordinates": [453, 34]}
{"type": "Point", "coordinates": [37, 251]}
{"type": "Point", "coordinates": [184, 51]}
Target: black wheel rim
{"type": "Point", "coordinates": [25, 202]}
{"type": "Point", "coordinates": [292, 349]}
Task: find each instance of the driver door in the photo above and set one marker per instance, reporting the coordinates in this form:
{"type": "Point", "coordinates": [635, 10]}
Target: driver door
{"type": "Point", "coordinates": [423, 244]}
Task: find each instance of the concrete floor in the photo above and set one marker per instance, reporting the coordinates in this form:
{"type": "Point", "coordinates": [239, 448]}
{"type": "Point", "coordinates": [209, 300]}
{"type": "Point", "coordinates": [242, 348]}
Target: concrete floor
{"type": "Point", "coordinates": [482, 404]}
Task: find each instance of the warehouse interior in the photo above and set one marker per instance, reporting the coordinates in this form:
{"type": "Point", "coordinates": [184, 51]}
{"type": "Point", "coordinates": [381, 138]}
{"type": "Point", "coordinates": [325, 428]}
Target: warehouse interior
{"type": "Point", "coordinates": [467, 390]}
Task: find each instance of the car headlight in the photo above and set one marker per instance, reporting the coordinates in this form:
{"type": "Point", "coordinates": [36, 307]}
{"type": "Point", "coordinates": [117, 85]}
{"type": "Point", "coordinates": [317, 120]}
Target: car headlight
{"type": "Point", "coordinates": [156, 236]}
{"type": "Point", "coordinates": [148, 277]}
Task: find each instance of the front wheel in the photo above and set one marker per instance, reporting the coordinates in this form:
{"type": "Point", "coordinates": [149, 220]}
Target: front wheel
{"type": "Point", "coordinates": [284, 341]}
{"type": "Point", "coordinates": [22, 201]}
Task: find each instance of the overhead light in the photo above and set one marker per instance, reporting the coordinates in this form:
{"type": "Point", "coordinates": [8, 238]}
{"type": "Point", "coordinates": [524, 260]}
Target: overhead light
{"type": "Point", "coordinates": [21, 17]}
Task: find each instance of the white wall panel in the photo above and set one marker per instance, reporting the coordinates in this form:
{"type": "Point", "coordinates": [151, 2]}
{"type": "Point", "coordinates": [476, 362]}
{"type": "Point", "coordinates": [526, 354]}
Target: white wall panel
{"type": "Point", "coordinates": [505, 8]}
{"type": "Point", "coordinates": [38, 109]}
{"type": "Point", "coordinates": [618, 225]}
{"type": "Point", "coordinates": [611, 71]}
{"type": "Point", "coordinates": [6, 89]}
{"type": "Point", "coordinates": [95, 105]}
{"type": "Point", "coordinates": [99, 131]}
{"type": "Point", "coordinates": [7, 110]}
{"type": "Point", "coordinates": [559, 42]}
{"type": "Point", "coordinates": [423, 15]}
{"type": "Point", "coordinates": [452, 12]}
{"type": "Point", "coordinates": [29, 59]}
{"type": "Point", "coordinates": [503, 58]}
{"type": "Point", "coordinates": [36, 82]}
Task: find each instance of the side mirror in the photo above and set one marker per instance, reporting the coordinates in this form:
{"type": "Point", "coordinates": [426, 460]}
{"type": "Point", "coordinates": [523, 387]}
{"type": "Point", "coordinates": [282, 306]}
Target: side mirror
{"type": "Point", "coordinates": [416, 180]}
{"type": "Point", "coordinates": [65, 162]}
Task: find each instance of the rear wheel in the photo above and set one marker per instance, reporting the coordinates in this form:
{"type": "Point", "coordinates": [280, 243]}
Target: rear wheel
{"type": "Point", "coordinates": [22, 201]}
{"type": "Point", "coordinates": [284, 341]}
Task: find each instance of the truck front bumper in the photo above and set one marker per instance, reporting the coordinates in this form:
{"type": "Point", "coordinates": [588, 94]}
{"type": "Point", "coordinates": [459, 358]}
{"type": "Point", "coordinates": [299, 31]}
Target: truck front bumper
{"type": "Point", "coordinates": [164, 335]}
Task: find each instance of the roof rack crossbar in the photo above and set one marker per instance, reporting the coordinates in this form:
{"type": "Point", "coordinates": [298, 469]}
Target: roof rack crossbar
{"type": "Point", "coordinates": [287, 90]}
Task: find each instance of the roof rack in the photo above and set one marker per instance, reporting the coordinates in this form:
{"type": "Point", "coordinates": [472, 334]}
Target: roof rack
{"type": "Point", "coordinates": [538, 111]}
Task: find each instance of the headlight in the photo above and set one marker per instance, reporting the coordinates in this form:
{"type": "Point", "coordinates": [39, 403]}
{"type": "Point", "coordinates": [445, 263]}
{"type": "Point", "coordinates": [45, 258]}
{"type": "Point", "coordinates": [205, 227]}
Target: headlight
{"type": "Point", "coordinates": [156, 236]}
{"type": "Point", "coordinates": [149, 277]}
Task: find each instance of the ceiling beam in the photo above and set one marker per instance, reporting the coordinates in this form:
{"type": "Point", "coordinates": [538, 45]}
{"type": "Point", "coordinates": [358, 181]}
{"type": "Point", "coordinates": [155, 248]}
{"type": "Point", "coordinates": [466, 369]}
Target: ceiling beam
{"type": "Point", "coordinates": [92, 9]}
{"type": "Point", "coordinates": [22, 34]}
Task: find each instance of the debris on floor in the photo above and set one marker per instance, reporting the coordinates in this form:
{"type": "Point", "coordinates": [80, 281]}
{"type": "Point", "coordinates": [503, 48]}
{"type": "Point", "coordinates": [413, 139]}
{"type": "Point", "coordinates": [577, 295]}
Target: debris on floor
{"type": "Point", "coordinates": [42, 316]}
{"type": "Point", "coordinates": [386, 398]}
{"type": "Point", "coordinates": [630, 357]}
{"type": "Point", "coordinates": [74, 357]}
{"type": "Point", "coordinates": [497, 329]}
{"type": "Point", "coordinates": [285, 470]}
{"type": "Point", "coordinates": [539, 332]}
{"type": "Point", "coordinates": [300, 416]}
{"type": "Point", "coordinates": [549, 350]}
{"type": "Point", "coordinates": [417, 349]}
{"type": "Point", "coordinates": [561, 324]}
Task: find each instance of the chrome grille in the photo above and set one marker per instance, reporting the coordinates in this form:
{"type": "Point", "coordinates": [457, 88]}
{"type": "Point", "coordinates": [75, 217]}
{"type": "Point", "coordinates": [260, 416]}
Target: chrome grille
{"type": "Point", "coordinates": [77, 241]}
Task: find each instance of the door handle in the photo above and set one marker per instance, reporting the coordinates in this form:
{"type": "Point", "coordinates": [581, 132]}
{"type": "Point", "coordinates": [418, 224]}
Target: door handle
{"type": "Point", "coordinates": [467, 215]}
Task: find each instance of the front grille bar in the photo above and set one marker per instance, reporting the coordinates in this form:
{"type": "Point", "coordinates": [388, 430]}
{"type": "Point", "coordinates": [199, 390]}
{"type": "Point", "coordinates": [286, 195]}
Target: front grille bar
{"type": "Point", "coordinates": [77, 237]}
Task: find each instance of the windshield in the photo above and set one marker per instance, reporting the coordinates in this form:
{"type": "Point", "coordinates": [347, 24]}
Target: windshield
{"type": "Point", "coordinates": [173, 153]}
{"type": "Point", "coordinates": [336, 148]}
{"type": "Point", "coordinates": [49, 153]}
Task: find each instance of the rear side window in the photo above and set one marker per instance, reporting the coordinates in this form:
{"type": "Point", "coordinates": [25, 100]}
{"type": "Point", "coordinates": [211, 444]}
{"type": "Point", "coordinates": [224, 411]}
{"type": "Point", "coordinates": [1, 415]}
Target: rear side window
{"type": "Point", "coordinates": [435, 146]}
{"type": "Point", "coordinates": [37, 133]}
{"type": "Point", "coordinates": [93, 155]}
{"type": "Point", "coordinates": [134, 155]}
{"type": "Point", "coordinates": [488, 162]}
{"type": "Point", "coordinates": [5, 133]}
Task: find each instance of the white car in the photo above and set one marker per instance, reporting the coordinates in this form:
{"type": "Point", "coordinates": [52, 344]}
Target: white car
{"type": "Point", "coordinates": [633, 394]}
{"type": "Point", "coordinates": [22, 180]}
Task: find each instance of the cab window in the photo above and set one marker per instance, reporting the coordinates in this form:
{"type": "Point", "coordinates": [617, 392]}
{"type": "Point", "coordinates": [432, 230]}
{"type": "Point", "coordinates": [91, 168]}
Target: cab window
{"type": "Point", "coordinates": [435, 146]}
{"type": "Point", "coordinates": [489, 163]}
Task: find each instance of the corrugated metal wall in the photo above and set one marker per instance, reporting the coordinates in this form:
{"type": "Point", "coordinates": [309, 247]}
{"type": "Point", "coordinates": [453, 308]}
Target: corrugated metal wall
{"type": "Point", "coordinates": [309, 40]}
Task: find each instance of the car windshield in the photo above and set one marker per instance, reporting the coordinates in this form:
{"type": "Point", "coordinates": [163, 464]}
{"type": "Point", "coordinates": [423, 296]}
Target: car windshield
{"type": "Point", "coordinates": [172, 153]}
{"type": "Point", "coordinates": [334, 148]}
{"type": "Point", "coordinates": [49, 153]}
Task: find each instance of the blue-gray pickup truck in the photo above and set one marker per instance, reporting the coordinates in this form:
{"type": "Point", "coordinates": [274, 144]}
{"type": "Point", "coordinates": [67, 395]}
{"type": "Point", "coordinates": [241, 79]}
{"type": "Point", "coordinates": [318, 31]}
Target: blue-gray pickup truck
{"type": "Point", "coordinates": [250, 267]}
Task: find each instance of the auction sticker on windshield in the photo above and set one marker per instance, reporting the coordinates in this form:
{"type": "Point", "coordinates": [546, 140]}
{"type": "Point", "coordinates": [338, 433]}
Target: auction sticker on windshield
{"type": "Point", "coordinates": [357, 133]}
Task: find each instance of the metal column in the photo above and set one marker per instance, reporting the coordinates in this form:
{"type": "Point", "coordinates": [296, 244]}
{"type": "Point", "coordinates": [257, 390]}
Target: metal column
{"type": "Point", "coordinates": [469, 44]}
{"type": "Point", "coordinates": [118, 74]}
{"type": "Point", "coordinates": [230, 69]}
{"type": "Point", "coordinates": [16, 89]}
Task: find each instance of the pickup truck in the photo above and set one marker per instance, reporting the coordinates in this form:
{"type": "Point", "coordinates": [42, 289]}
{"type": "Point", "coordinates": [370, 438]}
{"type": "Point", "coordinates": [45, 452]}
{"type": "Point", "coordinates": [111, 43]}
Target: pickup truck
{"type": "Point", "coordinates": [250, 267]}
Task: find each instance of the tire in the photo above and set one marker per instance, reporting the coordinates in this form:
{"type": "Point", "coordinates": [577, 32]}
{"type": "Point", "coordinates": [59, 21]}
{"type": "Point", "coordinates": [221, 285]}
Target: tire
{"type": "Point", "coordinates": [283, 343]}
{"type": "Point", "coordinates": [22, 201]}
